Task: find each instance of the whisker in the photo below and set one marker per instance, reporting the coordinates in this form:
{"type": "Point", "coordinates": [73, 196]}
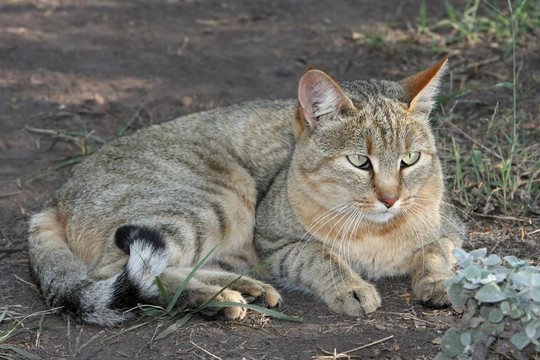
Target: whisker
{"type": "Point", "coordinates": [317, 225]}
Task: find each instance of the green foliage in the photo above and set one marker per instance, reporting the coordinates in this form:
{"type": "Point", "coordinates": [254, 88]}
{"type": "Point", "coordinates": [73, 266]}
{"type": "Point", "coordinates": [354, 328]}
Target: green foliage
{"type": "Point", "coordinates": [86, 141]}
{"type": "Point", "coordinates": [8, 330]}
{"type": "Point", "coordinates": [173, 309]}
{"type": "Point", "coordinates": [482, 21]}
{"type": "Point", "coordinates": [504, 174]}
{"type": "Point", "coordinates": [502, 306]}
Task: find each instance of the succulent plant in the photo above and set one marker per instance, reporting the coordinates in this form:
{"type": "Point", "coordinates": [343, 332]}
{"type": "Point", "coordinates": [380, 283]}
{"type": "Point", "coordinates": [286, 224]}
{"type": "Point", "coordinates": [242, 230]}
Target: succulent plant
{"type": "Point", "coordinates": [500, 299]}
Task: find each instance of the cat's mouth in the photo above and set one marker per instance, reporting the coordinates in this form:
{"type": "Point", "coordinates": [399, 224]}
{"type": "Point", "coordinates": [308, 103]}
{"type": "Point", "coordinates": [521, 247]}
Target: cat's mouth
{"type": "Point", "coordinates": [381, 216]}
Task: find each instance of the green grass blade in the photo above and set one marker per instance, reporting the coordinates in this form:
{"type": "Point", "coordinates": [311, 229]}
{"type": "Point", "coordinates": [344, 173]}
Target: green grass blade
{"type": "Point", "coordinates": [204, 305]}
{"type": "Point", "coordinates": [450, 12]}
{"type": "Point", "coordinates": [185, 283]}
{"type": "Point", "coordinates": [55, 168]}
{"type": "Point", "coordinates": [163, 291]}
{"type": "Point", "coordinates": [3, 315]}
{"type": "Point", "coordinates": [23, 353]}
{"type": "Point", "coordinates": [177, 325]}
{"type": "Point", "coordinates": [260, 309]}
{"type": "Point", "coordinates": [422, 16]}
{"type": "Point", "coordinates": [126, 330]}
{"type": "Point", "coordinates": [445, 98]}
{"type": "Point", "coordinates": [130, 122]}
{"type": "Point", "coordinates": [151, 310]}
{"type": "Point", "coordinates": [82, 134]}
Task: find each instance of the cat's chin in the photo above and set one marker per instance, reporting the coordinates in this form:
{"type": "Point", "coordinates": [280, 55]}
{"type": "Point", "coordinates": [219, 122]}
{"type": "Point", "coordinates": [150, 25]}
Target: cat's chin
{"type": "Point", "coordinates": [381, 217]}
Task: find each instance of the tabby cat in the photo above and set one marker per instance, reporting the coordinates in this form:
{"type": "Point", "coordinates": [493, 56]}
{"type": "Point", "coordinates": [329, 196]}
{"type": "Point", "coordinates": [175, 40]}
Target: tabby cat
{"type": "Point", "coordinates": [340, 186]}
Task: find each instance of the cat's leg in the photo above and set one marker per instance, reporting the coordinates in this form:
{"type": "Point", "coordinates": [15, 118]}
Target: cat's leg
{"type": "Point", "coordinates": [324, 273]}
{"type": "Point", "coordinates": [251, 289]}
{"type": "Point", "coordinates": [205, 284]}
{"type": "Point", "coordinates": [431, 266]}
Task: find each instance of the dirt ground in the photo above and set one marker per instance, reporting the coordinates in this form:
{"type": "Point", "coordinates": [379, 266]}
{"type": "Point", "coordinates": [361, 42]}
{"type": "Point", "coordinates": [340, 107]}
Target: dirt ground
{"type": "Point", "coordinates": [75, 73]}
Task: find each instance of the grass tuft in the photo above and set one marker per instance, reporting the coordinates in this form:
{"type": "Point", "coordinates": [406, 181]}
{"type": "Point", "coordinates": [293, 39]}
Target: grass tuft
{"type": "Point", "coordinates": [499, 170]}
{"type": "Point", "coordinates": [86, 141]}
{"type": "Point", "coordinates": [173, 309]}
{"type": "Point", "coordinates": [11, 326]}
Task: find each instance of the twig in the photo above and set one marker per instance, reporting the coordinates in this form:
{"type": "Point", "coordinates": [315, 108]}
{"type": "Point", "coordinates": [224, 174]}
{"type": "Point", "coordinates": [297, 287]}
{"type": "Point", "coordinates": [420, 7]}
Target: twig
{"type": "Point", "coordinates": [6, 195]}
{"type": "Point", "coordinates": [408, 316]}
{"type": "Point", "coordinates": [474, 140]}
{"type": "Point", "coordinates": [482, 62]}
{"type": "Point", "coordinates": [368, 345]}
{"type": "Point", "coordinates": [534, 232]}
{"type": "Point", "coordinates": [357, 348]}
{"type": "Point", "coordinates": [11, 250]}
{"type": "Point", "coordinates": [32, 286]}
{"type": "Point", "coordinates": [58, 134]}
{"type": "Point", "coordinates": [21, 318]}
{"type": "Point", "coordinates": [500, 217]}
{"type": "Point", "coordinates": [330, 355]}
{"type": "Point", "coordinates": [205, 351]}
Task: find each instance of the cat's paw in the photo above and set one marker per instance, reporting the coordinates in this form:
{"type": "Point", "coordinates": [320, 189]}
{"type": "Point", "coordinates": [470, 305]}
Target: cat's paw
{"type": "Point", "coordinates": [257, 291]}
{"type": "Point", "coordinates": [356, 300]}
{"type": "Point", "coordinates": [431, 292]}
{"type": "Point", "coordinates": [231, 312]}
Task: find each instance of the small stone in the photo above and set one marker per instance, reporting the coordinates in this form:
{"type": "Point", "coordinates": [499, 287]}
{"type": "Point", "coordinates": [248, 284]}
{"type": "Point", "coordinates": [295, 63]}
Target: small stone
{"type": "Point", "coordinates": [186, 101]}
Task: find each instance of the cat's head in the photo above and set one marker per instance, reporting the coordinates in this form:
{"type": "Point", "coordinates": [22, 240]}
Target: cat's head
{"type": "Point", "coordinates": [366, 147]}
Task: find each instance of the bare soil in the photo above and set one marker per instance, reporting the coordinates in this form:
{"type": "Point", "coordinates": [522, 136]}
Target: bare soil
{"type": "Point", "coordinates": [75, 73]}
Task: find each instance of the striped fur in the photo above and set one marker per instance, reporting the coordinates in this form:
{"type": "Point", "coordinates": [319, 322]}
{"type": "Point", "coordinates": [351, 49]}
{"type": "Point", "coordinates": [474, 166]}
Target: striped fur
{"type": "Point", "coordinates": [264, 184]}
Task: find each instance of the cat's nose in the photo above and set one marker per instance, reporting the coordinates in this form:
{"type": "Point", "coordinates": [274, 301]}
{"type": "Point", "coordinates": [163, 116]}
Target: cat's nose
{"type": "Point", "coordinates": [389, 201]}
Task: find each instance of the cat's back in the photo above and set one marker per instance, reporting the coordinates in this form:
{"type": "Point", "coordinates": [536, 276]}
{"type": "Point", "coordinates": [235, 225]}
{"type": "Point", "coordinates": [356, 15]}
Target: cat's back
{"type": "Point", "coordinates": [239, 143]}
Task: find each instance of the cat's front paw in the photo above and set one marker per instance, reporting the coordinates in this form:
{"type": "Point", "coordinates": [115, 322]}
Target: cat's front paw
{"type": "Point", "coordinates": [356, 300]}
{"type": "Point", "coordinates": [431, 292]}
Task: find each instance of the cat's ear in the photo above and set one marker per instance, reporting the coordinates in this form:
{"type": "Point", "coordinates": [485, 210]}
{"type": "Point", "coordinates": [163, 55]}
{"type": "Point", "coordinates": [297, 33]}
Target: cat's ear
{"type": "Point", "coordinates": [319, 97]}
{"type": "Point", "coordinates": [421, 89]}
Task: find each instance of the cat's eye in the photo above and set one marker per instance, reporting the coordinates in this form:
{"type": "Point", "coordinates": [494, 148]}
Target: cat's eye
{"type": "Point", "coordinates": [410, 159]}
{"type": "Point", "coordinates": [359, 161]}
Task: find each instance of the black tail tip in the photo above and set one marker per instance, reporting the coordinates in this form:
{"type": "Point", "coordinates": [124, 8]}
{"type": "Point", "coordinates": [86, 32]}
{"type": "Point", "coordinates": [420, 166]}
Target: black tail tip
{"type": "Point", "coordinates": [126, 234]}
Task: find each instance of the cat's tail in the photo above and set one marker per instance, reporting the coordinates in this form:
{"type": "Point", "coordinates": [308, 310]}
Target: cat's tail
{"type": "Point", "coordinates": [64, 278]}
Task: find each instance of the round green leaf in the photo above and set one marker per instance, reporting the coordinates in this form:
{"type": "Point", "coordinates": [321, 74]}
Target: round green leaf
{"type": "Point", "coordinates": [535, 294]}
{"type": "Point", "coordinates": [495, 316]}
{"type": "Point", "coordinates": [516, 314]}
{"type": "Point", "coordinates": [466, 262]}
{"type": "Point", "coordinates": [492, 260]}
{"type": "Point", "coordinates": [466, 339]}
{"type": "Point", "coordinates": [521, 278]}
{"type": "Point", "coordinates": [486, 277]}
{"type": "Point", "coordinates": [520, 340]}
{"type": "Point", "coordinates": [492, 329]}
{"type": "Point", "coordinates": [472, 286]}
{"type": "Point", "coordinates": [478, 253]}
{"type": "Point", "coordinates": [490, 293]}
{"type": "Point", "coordinates": [505, 307]}
{"type": "Point", "coordinates": [514, 261]}
{"type": "Point", "coordinates": [451, 343]}
{"type": "Point", "coordinates": [533, 329]}
{"type": "Point", "coordinates": [473, 273]}
{"type": "Point", "coordinates": [460, 254]}
{"type": "Point", "coordinates": [456, 295]}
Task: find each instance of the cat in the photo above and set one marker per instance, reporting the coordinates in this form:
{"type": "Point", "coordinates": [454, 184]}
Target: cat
{"type": "Point", "coordinates": [330, 190]}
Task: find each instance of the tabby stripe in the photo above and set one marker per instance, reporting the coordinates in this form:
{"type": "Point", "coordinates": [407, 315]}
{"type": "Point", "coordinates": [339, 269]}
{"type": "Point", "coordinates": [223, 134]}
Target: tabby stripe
{"type": "Point", "coordinates": [283, 269]}
{"type": "Point", "coordinates": [221, 216]}
{"type": "Point", "coordinates": [199, 234]}
{"type": "Point", "coordinates": [240, 162]}
{"type": "Point", "coordinates": [261, 193]}
{"type": "Point", "coordinates": [216, 180]}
